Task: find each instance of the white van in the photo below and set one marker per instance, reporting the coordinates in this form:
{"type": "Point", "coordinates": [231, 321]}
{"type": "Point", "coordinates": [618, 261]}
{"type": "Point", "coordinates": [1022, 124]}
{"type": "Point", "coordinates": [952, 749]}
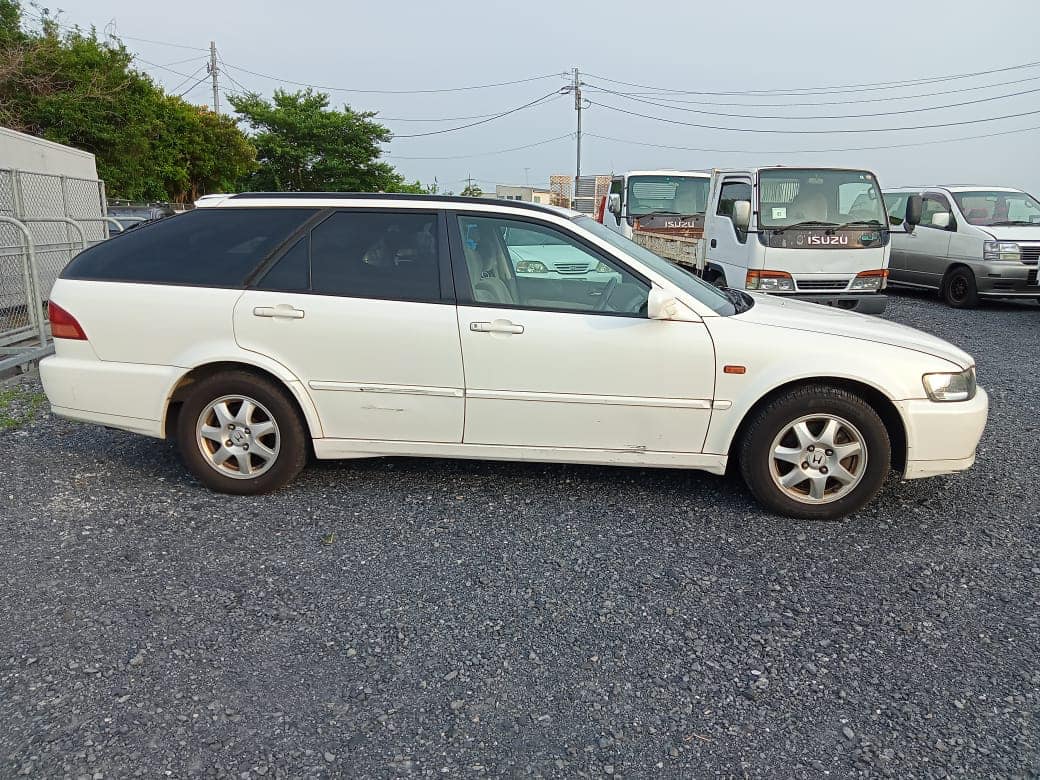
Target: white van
{"type": "Point", "coordinates": [973, 242]}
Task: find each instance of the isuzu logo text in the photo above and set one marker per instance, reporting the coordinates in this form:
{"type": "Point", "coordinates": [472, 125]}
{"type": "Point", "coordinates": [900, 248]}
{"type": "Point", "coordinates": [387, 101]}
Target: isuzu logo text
{"type": "Point", "coordinates": [815, 240]}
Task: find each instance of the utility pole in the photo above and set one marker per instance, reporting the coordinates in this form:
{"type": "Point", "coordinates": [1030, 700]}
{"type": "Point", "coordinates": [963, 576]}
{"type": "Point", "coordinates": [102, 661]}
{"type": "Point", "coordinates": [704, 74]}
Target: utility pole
{"type": "Point", "coordinates": [213, 75]}
{"type": "Point", "coordinates": [577, 107]}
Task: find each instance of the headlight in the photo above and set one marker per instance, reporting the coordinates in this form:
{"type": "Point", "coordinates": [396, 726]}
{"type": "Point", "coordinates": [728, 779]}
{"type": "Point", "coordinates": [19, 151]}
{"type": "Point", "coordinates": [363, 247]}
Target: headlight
{"type": "Point", "coordinates": [951, 387]}
{"type": "Point", "coordinates": [531, 267]}
{"type": "Point", "coordinates": [1001, 250]}
{"type": "Point", "coordinates": [769, 281]}
{"type": "Point", "coordinates": [870, 280]}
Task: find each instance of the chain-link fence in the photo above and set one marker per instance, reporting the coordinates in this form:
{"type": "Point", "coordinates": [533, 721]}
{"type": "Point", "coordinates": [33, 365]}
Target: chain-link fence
{"type": "Point", "coordinates": [45, 219]}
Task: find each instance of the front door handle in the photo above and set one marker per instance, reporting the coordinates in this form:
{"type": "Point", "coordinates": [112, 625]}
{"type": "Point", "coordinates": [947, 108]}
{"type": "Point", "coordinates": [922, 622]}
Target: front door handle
{"type": "Point", "coordinates": [714, 243]}
{"type": "Point", "coordinates": [498, 326]}
{"type": "Point", "coordinates": [281, 311]}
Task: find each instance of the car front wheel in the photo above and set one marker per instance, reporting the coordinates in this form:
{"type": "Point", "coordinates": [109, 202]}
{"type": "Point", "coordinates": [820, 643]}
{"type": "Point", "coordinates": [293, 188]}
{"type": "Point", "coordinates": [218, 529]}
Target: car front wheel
{"type": "Point", "coordinates": [959, 289]}
{"type": "Point", "coordinates": [815, 453]}
{"type": "Point", "coordinates": [239, 433]}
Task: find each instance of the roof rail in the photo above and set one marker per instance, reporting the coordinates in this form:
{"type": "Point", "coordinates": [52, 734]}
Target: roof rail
{"type": "Point", "coordinates": [399, 196]}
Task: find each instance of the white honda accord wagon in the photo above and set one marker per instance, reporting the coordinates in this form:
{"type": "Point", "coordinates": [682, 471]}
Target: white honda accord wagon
{"type": "Point", "coordinates": [270, 326]}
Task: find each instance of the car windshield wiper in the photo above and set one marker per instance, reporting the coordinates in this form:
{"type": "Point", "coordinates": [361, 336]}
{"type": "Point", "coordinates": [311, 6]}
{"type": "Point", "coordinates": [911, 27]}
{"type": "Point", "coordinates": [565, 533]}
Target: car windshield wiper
{"type": "Point", "coordinates": [660, 212]}
{"type": "Point", "coordinates": [858, 222]}
{"type": "Point", "coordinates": [799, 225]}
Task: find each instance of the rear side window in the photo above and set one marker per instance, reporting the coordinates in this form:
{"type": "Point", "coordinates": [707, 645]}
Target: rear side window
{"type": "Point", "coordinates": [361, 254]}
{"type": "Point", "coordinates": [214, 247]}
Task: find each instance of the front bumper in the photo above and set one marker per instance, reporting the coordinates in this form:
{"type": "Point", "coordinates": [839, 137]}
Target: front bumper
{"type": "Point", "coordinates": [941, 437]}
{"type": "Point", "coordinates": [997, 280]}
{"type": "Point", "coordinates": [864, 303]}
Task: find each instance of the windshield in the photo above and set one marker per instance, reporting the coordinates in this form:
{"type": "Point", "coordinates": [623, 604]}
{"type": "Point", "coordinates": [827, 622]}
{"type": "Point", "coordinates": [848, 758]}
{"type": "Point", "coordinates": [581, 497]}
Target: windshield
{"type": "Point", "coordinates": [998, 208]}
{"type": "Point", "coordinates": [682, 195]}
{"type": "Point", "coordinates": [792, 196]}
{"type": "Point", "coordinates": [708, 294]}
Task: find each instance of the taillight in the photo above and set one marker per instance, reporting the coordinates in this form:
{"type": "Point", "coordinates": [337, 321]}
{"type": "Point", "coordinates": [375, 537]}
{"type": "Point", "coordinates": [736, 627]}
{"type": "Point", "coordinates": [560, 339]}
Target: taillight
{"type": "Point", "coordinates": [63, 324]}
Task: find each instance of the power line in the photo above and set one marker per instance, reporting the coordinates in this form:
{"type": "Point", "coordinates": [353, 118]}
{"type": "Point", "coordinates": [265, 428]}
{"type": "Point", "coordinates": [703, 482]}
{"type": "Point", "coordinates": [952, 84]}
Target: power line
{"type": "Point", "coordinates": [815, 151]}
{"type": "Point", "coordinates": [158, 43]}
{"type": "Point", "coordinates": [484, 154]}
{"type": "Point", "coordinates": [885, 99]}
{"type": "Point", "coordinates": [864, 87]}
{"type": "Point", "coordinates": [535, 102]}
{"type": "Point", "coordinates": [828, 116]}
{"type": "Point", "coordinates": [193, 86]}
{"type": "Point", "coordinates": [393, 91]}
{"type": "Point", "coordinates": [189, 78]}
{"type": "Point", "coordinates": [815, 132]}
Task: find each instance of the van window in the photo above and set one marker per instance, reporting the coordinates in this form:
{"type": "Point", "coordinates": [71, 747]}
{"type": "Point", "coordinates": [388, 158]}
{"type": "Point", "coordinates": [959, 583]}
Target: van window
{"type": "Point", "coordinates": [206, 247]}
{"type": "Point", "coordinates": [390, 255]}
{"type": "Point", "coordinates": [895, 205]}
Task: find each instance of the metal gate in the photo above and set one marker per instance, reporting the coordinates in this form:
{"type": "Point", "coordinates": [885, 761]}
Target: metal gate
{"type": "Point", "coordinates": [45, 220]}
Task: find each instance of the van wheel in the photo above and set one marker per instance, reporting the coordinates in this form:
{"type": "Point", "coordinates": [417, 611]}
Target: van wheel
{"type": "Point", "coordinates": [959, 289]}
{"type": "Point", "coordinates": [239, 433]}
{"type": "Point", "coordinates": [815, 453]}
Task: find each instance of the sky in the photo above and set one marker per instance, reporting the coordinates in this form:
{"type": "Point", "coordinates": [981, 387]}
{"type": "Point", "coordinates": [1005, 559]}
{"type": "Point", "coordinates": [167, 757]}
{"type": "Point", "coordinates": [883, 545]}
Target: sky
{"type": "Point", "coordinates": [830, 58]}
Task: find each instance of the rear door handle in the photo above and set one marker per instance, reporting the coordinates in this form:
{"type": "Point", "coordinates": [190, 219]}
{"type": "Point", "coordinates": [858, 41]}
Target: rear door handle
{"type": "Point", "coordinates": [281, 311]}
{"type": "Point", "coordinates": [498, 326]}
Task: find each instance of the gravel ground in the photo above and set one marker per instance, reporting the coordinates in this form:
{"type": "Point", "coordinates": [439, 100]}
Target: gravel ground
{"type": "Point", "coordinates": [399, 617]}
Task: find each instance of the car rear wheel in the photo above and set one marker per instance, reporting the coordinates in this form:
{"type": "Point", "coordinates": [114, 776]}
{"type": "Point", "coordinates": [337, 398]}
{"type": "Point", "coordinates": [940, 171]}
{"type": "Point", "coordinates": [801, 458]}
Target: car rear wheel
{"type": "Point", "coordinates": [959, 289]}
{"type": "Point", "coordinates": [240, 433]}
{"type": "Point", "coordinates": [815, 453]}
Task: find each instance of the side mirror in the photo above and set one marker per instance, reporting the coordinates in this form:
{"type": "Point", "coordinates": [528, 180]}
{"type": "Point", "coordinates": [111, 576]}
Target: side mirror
{"type": "Point", "coordinates": [614, 203]}
{"type": "Point", "coordinates": [662, 305]}
{"type": "Point", "coordinates": [941, 220]}
{"type": "Point", "coordinates": [741, 214]}
{"type": "Point", "coordinates": [914, 207]}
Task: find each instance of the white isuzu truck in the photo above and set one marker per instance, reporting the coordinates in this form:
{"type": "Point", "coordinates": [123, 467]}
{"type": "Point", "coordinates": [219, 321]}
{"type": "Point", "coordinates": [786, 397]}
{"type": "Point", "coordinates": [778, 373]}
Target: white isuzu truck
{"type": "Point", "coordinates": [817, 234]}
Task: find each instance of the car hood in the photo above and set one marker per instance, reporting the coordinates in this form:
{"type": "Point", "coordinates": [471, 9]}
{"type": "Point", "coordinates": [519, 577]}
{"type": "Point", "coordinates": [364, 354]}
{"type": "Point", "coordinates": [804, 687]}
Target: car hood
{"type": "Point", "coordinates": [1013, 232]}
{"type": "Point", "coordinates": [779, 312]}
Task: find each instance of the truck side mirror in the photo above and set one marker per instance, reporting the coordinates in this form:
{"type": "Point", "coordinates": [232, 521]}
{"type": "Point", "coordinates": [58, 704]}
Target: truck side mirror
{"type": "Point", "coordinates": [741, 215]}
{"type": "Point", "coordinates": [914, 207]}
{"type": "Point", "coordinates": [614, 205]}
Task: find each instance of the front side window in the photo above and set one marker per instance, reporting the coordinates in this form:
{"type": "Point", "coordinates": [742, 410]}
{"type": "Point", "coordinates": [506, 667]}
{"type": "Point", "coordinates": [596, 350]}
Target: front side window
{"type": "Point", "coordinates": [730, 193]}
{"type": "Point", "coordinates": [388, 255]}
{"type": "Point", "coordinates": [217, 247]}
{"type": "Point", "coordinates": [931, 208]}
{"type": "Point", "coordinates": [529, 265]}
{"type": "Point", "coordinates": [792, 196]}
{"type": "Point", "coordinates": [993, 209]}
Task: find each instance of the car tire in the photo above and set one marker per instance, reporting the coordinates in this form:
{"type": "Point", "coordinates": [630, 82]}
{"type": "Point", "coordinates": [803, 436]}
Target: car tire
{"type": "Point", "coordinates": [959, 289]}
{"type": "Point", "coordinates": [781, 462]}
{"type": "Point", "coordinates": [240, 433]}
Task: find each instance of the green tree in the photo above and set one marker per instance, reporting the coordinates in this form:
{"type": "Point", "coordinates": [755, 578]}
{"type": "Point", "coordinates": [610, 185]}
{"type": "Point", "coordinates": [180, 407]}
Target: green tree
{"type": "Point", "coordinates": [471, 190]}
{"type": "Point", "coordinates": [304, 146]}
{"type": "Point", "coordinates": [77, 90]}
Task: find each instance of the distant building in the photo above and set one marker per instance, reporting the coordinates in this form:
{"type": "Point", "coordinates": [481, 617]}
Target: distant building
{"type": "Point", "coordinates": [524, 193]}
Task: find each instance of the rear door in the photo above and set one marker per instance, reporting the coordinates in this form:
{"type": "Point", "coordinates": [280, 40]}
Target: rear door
{"type": "Point", "coordinates": [361, 308]}
{"type": "Point", "coordinates": [574, 362]}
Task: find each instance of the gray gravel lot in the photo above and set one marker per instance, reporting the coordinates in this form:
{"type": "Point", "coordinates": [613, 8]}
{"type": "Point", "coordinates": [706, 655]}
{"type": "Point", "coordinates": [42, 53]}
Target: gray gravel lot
{"type": "Point", "coordinates": [395, 617]}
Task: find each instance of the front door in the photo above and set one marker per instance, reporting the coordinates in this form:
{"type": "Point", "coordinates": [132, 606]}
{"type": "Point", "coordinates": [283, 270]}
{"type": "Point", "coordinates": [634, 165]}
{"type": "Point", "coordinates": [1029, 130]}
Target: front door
{"type": "Point", "coordinates": [360, 311]}
{"type": "Point", "coordinates": [928, 248]}
{"type": "Point", "coordinates": [559, 352]}
{"type": "Point", "coordinates": [727, 246]}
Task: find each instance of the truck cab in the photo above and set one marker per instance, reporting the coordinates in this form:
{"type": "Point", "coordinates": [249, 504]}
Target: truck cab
{"type": "Point", "coordinates": [817, 234]}
{"type": "Point", "coordinates": [666, 202]}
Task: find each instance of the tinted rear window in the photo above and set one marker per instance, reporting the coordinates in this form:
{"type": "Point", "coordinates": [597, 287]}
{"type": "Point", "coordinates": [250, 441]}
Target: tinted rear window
{"type": "Point", "coordinates": [215, 247]}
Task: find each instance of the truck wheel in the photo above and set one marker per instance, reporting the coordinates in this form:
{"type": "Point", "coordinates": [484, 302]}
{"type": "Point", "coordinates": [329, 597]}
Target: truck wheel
{"type": "Point", "coordinates": [815, 453]}
{"type": "Point", "coordinates": [240, 433]}
{"type": "Point", "coordinates": [959, 289]}
{"type": "Point", "coordinates": [717, 278]}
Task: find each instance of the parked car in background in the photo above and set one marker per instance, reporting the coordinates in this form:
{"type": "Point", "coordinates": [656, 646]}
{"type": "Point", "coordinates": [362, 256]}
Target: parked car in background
{"type": "Point", "coordinates": [132, 216]}
{"type": "Point", "coordinates": [973, 242]}
{"type": "Point", "coordinates": [272, 325]}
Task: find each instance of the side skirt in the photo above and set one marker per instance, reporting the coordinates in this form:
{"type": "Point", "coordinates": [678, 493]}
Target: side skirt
{"type": "Point", "coordinates": [330, 449]}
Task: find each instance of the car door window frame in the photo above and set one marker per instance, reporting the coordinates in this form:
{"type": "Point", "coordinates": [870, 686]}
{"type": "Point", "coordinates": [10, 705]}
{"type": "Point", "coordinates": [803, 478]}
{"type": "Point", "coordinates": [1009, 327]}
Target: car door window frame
{"type": "Point", "coordinates": [948, 207]}
{"type": "Point", "coordinates": [463, 284]}
{"type": "Point", "coordinates": [740, 235]}
{"type": "Point", "coordinates": [444, 272]}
